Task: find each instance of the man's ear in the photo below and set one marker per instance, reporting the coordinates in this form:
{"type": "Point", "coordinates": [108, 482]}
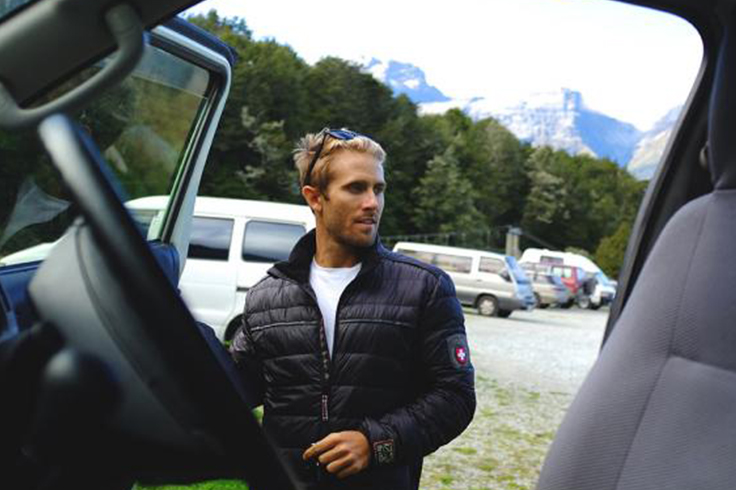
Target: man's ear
{"type": "Point", "coordinates": [313, 197]}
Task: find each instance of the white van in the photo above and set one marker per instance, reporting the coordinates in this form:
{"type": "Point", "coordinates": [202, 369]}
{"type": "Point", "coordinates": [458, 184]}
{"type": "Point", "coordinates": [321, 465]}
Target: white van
{"type": "Point", "coordinates": [493, 283]}
{"type": "Point", "coordinates": [604, 291]}
{"type": "Point", "coordinates": [233, 243]}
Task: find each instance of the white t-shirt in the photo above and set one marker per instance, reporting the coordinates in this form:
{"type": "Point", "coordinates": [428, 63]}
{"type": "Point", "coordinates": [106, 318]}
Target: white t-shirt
{"type": "Point", "coordinates": [328, 284]}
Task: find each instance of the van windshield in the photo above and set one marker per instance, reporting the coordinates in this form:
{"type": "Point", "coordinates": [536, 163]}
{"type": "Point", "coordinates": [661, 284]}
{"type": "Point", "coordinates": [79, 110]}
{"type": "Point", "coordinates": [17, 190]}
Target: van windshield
{"type": "Point", "coordinates": [518, 273]}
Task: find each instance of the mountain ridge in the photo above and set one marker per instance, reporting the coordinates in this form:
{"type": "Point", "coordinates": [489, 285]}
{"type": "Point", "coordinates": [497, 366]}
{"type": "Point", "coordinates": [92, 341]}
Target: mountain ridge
{"type": "Point", "coordinates": [559, 119]}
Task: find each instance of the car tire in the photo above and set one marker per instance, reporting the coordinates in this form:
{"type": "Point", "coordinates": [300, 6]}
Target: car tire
{"type": "Point", "coordinates": [584, 302]}
{"type": "Point", "coordinates": [568, 305]}
{"type": "Point", "coordinates": [504, 313]}
{"type": "Point", "coordinates": [595, 307]}
{"type": "Point", "coordinates": [487, 306]}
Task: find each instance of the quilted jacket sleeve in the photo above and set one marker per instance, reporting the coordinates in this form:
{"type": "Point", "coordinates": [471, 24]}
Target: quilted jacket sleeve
{"type": "Point", "coordinates": [243, 352]}
{"type": "Point", "coordinates": [447, 406]}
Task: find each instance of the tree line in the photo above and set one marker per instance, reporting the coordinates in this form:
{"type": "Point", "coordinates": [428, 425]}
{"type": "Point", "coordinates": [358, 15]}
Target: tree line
{"type": "Point", "coordinates": [446, 173]}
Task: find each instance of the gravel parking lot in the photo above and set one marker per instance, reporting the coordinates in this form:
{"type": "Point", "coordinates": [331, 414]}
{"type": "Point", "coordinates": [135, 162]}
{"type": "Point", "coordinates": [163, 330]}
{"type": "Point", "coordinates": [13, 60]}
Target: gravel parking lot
{"type": "Point", "coordinates": [528, 368]}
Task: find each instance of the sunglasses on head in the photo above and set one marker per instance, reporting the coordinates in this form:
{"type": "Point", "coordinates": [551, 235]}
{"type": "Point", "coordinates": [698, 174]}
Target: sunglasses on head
{"type": "Point", "coordinates": [338, 134]}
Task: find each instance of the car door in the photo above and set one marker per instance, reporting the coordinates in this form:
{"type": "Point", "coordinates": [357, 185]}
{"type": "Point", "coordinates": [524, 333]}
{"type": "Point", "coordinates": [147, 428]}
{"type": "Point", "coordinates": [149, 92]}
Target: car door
{"type": "Point", "coordinates": [154, 128]}
{"type": "Point", "coordinates": [100, 106]}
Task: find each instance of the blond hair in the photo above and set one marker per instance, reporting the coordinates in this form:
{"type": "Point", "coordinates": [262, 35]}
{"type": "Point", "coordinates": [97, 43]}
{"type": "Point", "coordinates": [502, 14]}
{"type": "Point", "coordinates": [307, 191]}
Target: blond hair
{"type": "Point", "coordinates": [309, 144]}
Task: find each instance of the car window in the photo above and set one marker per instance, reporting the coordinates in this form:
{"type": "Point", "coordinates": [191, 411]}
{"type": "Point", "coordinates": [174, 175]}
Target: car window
{"type": "Point", "coordinates": [269, 242]}
{"type": "Point", "coordinates": [453, 263]}
{"type": "Point", "coordinates": [425, 257]}
{"type": "Point", "coordinates": [565, 272]}
{"type": "Point", "coordinates": [210, 238]}
{"type": "Point", "coordinates": [143, 128]}
{"type": "Point", "coordinates": [491, 266]}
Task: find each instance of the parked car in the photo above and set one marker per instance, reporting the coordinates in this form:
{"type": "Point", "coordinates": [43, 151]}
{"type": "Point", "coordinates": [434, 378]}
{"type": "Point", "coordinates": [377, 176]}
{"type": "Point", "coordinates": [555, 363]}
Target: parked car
{"type": "Point", "coordinates": [493, 283]}
{"type": "Point", "coordinates": [598, 291]}
{"type": "Point", "coordinates": [233, 243]}
{"type": "Point", "coordinates": [549, 290]}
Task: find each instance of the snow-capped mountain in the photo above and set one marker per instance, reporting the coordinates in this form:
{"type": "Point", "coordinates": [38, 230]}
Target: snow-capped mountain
{"type": "Point", "coordinates": [559, 119]}
{"type": "Point", "coordinates": [650, 148]}
{"type": "Point", "coordinates": [405, 78]}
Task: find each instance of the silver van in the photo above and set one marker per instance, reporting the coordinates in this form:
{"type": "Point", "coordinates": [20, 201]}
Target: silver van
{"type": "Point", "coordinates": [493, 283]}
{"type": "Point", "coordinates": [233, 242]}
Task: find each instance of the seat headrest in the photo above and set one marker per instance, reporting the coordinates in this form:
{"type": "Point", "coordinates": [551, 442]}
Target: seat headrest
{"type": "Point", "coordinates": [722, 115]}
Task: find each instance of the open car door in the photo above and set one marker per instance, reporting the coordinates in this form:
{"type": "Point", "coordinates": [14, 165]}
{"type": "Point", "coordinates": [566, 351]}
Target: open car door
{"type": "Point", "coordinates": [106, 377]}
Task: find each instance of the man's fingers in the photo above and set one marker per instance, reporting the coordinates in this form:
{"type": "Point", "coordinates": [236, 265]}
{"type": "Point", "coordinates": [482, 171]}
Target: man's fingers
{"type": "Point", "coordinates": [321, 446]}
{"type": "Point", "coordinates": [332, 455]}
{"type": "Point", "coordinates": [341, 466]}
{"type": "Point", "coordinates": [348, 471]}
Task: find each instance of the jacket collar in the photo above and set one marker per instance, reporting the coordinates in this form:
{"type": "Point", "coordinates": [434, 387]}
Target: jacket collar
{"type": "Point", "coordinates": [297, 266]}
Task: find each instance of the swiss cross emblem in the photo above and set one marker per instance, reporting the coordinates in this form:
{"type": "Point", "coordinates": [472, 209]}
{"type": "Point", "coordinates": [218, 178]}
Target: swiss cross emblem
{"type": "Point", "coordinates": [458, 352]}
{"type": "Point", "coordinates": [461, 355]}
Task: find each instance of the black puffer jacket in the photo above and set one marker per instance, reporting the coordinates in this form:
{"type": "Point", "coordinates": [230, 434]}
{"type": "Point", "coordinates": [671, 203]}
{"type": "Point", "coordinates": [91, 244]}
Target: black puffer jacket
{"type": "Point", "coordinates": [400, 370]}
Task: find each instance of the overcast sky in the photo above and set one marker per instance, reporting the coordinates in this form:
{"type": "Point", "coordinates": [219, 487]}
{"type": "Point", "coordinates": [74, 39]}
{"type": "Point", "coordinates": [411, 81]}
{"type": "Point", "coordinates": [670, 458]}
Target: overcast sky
{"type": "Point", "coordinates": [628, 62]}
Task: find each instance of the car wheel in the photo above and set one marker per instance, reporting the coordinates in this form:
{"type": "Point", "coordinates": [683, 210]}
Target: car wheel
{"type": "Point", "coordinates": [488, 306]}
{"type": "Point", "coordinates": [584, 302]}
{"type": "Point", "coordinates": [568, 304]}
{"type": "Point", "coordinates": [595, 307]}
{"type": "Point", "coordinates": [504, 313]}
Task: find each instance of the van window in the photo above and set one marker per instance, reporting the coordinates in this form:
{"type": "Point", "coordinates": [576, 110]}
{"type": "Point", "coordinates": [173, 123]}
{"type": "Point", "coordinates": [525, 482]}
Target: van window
{"type": "Point", "coordinates": [453, 263]}
{"type": "Point", "coordinates": [491, 266]}
{"type": "Point", "coordinates": [269, 242]}
{"type": "Point", "coordinates": [565, 272]}
{"type": "Point", "coordinates": [425, 257]}
{"type": "Point", "coordinates": [210, 238]}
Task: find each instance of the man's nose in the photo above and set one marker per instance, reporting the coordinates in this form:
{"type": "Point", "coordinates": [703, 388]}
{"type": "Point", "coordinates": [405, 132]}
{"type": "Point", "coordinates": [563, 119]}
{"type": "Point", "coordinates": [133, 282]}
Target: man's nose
{"type": "Point", "coordinates": [371, 200]}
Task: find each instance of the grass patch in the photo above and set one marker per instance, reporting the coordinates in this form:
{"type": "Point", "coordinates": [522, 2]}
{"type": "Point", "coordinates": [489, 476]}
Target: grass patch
{"type": "Point", "coordinates": [208, 485]}
{"type": "Point", "coordinates": [465, 450]}
{"type": "Point", "coordinates": [446, 479]}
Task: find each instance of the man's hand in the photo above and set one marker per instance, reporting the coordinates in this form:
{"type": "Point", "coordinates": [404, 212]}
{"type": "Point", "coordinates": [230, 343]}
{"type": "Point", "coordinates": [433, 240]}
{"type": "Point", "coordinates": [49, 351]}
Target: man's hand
{"type": "Point", "coordinates": [341, 453]}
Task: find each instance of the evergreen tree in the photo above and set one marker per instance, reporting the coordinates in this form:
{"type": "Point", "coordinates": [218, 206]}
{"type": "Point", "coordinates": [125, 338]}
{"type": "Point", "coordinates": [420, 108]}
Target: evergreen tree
{"type": "Point", "coordinates": [444, 197]}
{"type": "Point", "coordinates": [610, 253]}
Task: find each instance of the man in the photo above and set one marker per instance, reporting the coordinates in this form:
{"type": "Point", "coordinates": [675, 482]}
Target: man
{"type": "Point", "coordinates": [359, 354]}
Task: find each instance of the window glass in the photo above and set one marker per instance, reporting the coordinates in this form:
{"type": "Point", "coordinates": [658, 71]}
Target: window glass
{"type": "Point", "coordinates": [425, 257]}
{"type": "Point", "coordinates": [565, 272]}
{"type": "Point", "coordinates": [142, 127]}
{"type": "Point", "coordinates": [453, 263]}
{"type": "Point", "coordinates": [491, 266]}
{"type": "Point", "coordinates": [270, 242]}
{"type": "Point", "coordinates": [210, 238]}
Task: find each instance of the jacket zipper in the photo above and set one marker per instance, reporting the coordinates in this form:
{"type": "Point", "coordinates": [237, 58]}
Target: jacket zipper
{"type": "Point", "coordinates": [325, 371]}
{"type": "Point", "coordinates": [325, 351]}
{"type": "Point", "coordinates": [326, 360]}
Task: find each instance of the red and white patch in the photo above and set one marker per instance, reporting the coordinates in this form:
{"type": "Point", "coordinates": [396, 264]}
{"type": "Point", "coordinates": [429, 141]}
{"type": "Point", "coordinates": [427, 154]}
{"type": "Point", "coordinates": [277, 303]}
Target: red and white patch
{"type": "Point", "coordinates": [461, 355]}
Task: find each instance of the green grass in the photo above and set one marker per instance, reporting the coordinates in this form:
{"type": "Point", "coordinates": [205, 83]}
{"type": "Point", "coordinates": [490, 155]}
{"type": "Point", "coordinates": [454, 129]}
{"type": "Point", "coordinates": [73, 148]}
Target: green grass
{"type": "Point", "coordinates": [208, 485]}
